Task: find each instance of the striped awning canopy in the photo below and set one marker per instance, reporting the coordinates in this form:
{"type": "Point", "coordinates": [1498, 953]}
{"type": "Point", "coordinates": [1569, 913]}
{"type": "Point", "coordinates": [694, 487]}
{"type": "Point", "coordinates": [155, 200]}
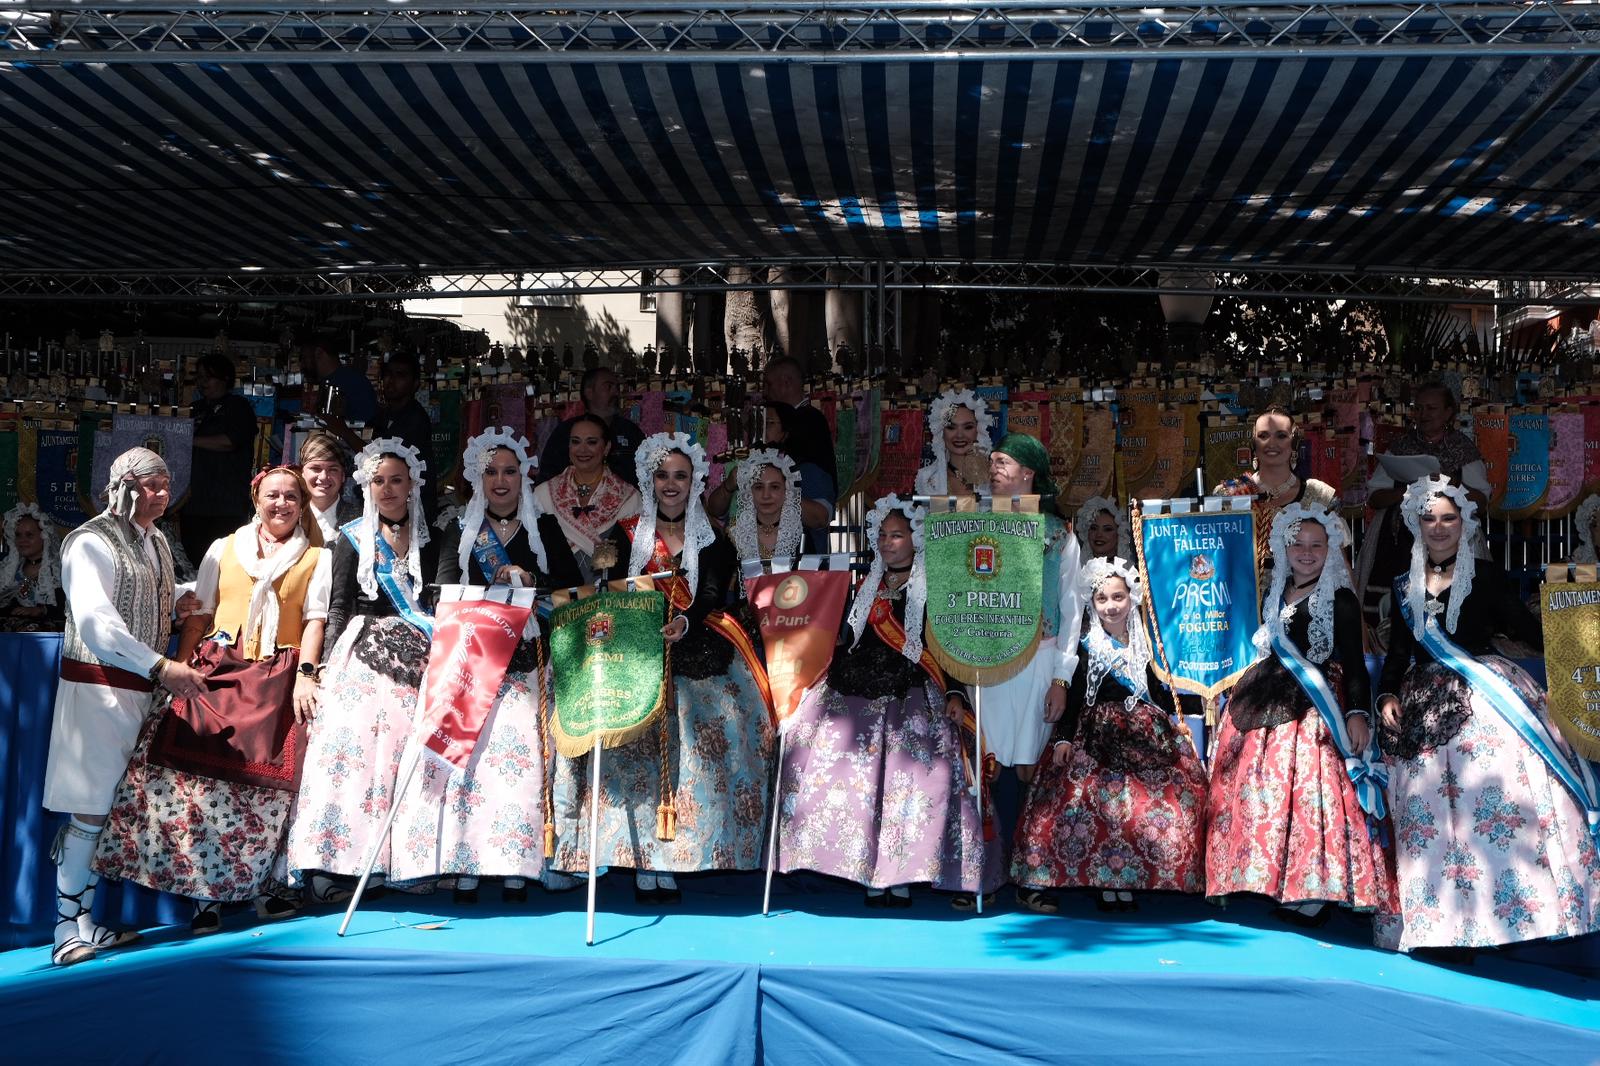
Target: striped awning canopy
{"type": "Point", "coordinates": [1476, 165]}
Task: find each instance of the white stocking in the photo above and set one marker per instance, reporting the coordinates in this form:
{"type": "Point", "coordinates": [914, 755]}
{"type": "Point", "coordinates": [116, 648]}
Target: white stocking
{"type": "Point", "coordinates": [73, 848]}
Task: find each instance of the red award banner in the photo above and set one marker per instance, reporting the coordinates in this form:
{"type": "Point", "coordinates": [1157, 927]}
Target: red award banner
{"type": "Point", "coordinates": [472, 645]}
{"type": "Point", "coordinates": [799, 613]}
{"type": "Point", "coordinates": [1491, 429]}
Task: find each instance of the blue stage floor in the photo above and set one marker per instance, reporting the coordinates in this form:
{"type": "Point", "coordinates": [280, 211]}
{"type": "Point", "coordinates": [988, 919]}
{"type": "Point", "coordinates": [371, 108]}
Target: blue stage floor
{"type": "Point", "coordinates": [820, 980]}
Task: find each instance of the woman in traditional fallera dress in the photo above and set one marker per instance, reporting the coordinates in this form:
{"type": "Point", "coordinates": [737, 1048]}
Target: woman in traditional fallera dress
{"type": "Point", "coordinates": [587, 498]}
{"type": "Point", "coordinates": [488, 820]}
{"type": "Point", "coordinates": [707, 765]}
{"type": "Point", "coordinates": [1103, 530]}
{"type": "Point", "coordinates": [958, 425]}
{"type": "Point", "coordinates": [1493, 814]}
{"type": "Point", "coordinates": [379, 635]}
{"type": "Point", "coordinates": [1120, 804]}
{"type": "Point", "coordinates": [261, 590]}
{"type": "Point", "coordinates": [31, 600]}
{"type": "Point", "coordinates": [1275, 443]}
{"type": "Point", "coordinates": [1296, 807]}
{"type": "Point", "coordinates": [876, 780]}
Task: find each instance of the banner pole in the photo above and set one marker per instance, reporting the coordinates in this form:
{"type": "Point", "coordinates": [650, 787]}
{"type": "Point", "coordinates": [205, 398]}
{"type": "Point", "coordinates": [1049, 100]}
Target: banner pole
{"type": "Point", "coordinates": [977, 744]}
{"type": "Point", "coordinates": [772, 835]}
{"type": "Point", "coordinates": [594, 831]}
{"type": "Point", "coordinates": [377, 845]}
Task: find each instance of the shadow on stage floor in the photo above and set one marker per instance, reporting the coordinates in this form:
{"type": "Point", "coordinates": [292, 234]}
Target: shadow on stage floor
{"type": "Point", "coordinates": [821, 979]}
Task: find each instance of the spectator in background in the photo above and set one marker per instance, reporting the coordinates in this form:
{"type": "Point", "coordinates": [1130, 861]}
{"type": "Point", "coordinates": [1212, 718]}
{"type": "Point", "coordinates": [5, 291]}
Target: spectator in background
{"type": "Point", "coordinates": [224, 452]}
{"type": "Point", "coordinates": [403, 416]}
{"type": "Point", "coordinates": [599, 390]}
{"type": "Point", "coordinates": [358, 400]}
{"type": "Point", "coordinates": [809, 433]}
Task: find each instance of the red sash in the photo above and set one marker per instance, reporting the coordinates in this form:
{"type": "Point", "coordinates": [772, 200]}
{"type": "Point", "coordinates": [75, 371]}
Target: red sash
{"type": "Point", "coordinates": [109, 676]}
{"type": "Point", "coordinates": [731, 631]}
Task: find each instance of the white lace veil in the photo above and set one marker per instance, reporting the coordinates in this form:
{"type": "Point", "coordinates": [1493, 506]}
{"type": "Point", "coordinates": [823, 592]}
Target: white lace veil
{"type": "Point", "coordinates": [49, 581]}
{"type": "Point", "coordinates": [367, 533]}
{"type": "Point", "coordinates": [1132, 660]}
{"type": "Point", "coordinates": [916, 588]}
{"type": "Point", "coordinates": [697, 531]}
{"type": "Point", "coordinates": [743, 530]}
{"type": "Point", "coordinates": [934, 479]}
{"type": "Point", "coordinates": [479, 451]}
{"type": "Point", "coordinates": [1119, 515]}
{"type": "Point", "coordinates": [1335, 575]}
{"type": "Point", "coordinates": [1421, 493]}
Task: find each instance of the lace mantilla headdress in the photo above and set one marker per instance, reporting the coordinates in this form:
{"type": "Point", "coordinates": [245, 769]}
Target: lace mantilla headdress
{"type": "Point", "coordinates": [49, 580]}
{"type": "Point", "coordinates": [1090, 510]}
{"type": "Point", "coordinates": [743, 531]}
{"type": "Point", "coordinates": [1421, 493]}
{"type": "Point", "coordinates": [367, 534]}
{"type": "Point", "coordinates": [1584, 521]}
{"type": "Point", "coordinates": [697, 531]}
{"type": "Point", "coordinates": [1132, 660]}
{"type": "Point", "coordinates": [1335, 575]}
{"type": "Point", "coordinates": [916, 588]}
{"type": "Point", "coordinates": [937, 479]}
{"type": "Point", "coordinates": [475, 460]}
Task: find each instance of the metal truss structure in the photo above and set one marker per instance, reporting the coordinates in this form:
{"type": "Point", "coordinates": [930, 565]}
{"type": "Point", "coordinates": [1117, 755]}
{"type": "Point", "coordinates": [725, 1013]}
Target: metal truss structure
{"type": "Point", "coordinates": [50, 32]}
{"type": "Point", "coordinates": [412, 284]}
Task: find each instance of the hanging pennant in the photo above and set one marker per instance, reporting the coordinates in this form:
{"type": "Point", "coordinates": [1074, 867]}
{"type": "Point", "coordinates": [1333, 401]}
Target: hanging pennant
{"type": "Point", "coordinates": [1138, 409]}
{"type": "Point", "coordinates": [1527, 465]}
{"type": "Point", "coordinates": [799, 614]}
{"type": "Point", "coordinates": [901, 450]}
{"type": "Point", "coordinates": [1491, 431]}
{"type": "Point", "coordinates": [1227, 449]}
{"type": "Point", "coordinates": [1066, 438]}
{"type": "Point", "coordinates": [609, 662]}
{"type": "Point", "coordinates": [1566, 463]}
{"type": "Point", "coordinates": [1096, 459]}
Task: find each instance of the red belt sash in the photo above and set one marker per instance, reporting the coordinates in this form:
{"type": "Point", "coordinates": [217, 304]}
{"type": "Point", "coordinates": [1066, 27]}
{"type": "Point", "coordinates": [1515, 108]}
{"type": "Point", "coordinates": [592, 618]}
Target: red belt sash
{"type": "Point", "coordinates": [108, 676]}
{"type": "Point", "coordinates": [735, 634]}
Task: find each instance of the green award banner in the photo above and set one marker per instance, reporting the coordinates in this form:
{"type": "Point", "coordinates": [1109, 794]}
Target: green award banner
{"type": "Point", "coordinates": [609, 661]}
{"type": "Point", "coordinates": [985, 590]}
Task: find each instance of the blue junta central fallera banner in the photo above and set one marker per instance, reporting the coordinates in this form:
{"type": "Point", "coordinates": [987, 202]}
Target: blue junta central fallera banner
{"type": "Point", "coordinates": [1200, 571]}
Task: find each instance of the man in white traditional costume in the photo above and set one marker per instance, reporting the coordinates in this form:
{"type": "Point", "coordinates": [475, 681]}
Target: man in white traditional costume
{"type": "Point", "coordinates": [117, 576]}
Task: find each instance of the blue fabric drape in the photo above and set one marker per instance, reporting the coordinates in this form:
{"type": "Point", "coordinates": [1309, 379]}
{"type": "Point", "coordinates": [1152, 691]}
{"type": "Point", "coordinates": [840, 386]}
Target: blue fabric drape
{"type": "Point", "coordinates": [29, 666]}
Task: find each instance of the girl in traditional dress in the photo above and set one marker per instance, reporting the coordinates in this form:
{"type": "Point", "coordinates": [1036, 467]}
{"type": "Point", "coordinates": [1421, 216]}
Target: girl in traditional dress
{"type": "Point", "coordinates": [488, 820]}
{"type": "Point", "coordinates": [876, 782]}
{"type": "Point", "coordinates": [766, 523]}
{"type": "Point", "coordinates": [785, 431]}
{"type": "Point", "coordinates": [1296, 799]}
{"type": "Point", "coordinates": [262, 590]}
{"type": "Point", "coordinates": [707, 765]}
{"type": "Point", "coordinates": [1103, 530]}
{"type": "Point", "coordinates": [322, 464]}
{"type": "Point", "coordinates": [1120, 805]}
{"type": "Point", "coordinates": [1493, 814]}
{"type": "Point", "coordinates": [1275, 442]}
{"type": "Point", "coordinates": [379, 634]}
{"type": "Point", "coordinates": [30, 575]}
{"type": "Point", "coordinates": [587, 498]}
{"type": "Point", "coordinates": [958, 423]}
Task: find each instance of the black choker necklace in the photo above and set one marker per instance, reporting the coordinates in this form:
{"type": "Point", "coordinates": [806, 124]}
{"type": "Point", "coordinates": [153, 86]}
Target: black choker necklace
{"type": "Point", "coordinates": [396, 524]}
{"type": "Point", "coordinates": [503, 518]}
{"type": "Point", "coordinates": [898, 569]}
{"type": "Point", "coordinates": [1443, 565]}
{"type": "Point", "coordinates": [669, 521]}
{"type": "Point", "coordinates": [1308, 584]}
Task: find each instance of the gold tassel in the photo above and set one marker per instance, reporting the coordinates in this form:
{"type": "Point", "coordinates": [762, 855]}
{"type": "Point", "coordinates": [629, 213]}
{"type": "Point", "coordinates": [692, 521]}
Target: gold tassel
{"type": "Point", "coordinates": [549, 840]}
{"type": "Point", "coordinates": [672, 822]}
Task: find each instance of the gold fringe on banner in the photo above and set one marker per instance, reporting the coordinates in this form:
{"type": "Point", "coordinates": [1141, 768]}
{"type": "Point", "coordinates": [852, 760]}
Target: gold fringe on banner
{"type": "Point", "coordinates": [1569, 610]}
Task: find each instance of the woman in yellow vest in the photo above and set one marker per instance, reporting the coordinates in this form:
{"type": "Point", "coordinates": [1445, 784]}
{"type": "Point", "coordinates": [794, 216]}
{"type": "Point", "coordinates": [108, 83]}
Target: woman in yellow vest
{"type": "Point", "coordinates": [264, 595]}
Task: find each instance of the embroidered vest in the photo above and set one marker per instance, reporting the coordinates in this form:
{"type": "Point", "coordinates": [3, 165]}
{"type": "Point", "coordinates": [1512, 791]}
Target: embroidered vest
{"type": "Point", "coordinates": [233, 601]}
{"type": "Point", "coordinates": [142, 596]}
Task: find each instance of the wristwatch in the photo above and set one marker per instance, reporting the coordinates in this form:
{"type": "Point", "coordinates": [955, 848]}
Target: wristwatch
{"type": "Point", "coordinates": [311, 670]}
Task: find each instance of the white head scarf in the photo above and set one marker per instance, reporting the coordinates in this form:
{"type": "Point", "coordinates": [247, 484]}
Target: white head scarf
{"type": "Point", "coordinates": [260, 633]}
{"type": "Point", "coordinates": [1584, 520]}
{"type": "Point", "coordinates": [1132, 660]}
{"type": "Point", "coordinates": [1335, 576]}
{"type": "Point", "coordinates": [49, 580]}
{"type": "Point", "coordinates": [1091, 510]}
{"type": "Point", "coordinates": [122, 488]}
{"type": "Point", "coordinates": [367, 535]}
{"type": "Point", "coordinates": [697, 531]}
{"type": "Point", "coordinates": [937, 481]}
{"type": "Point", "coordinates": [474, 461]}
{"type": "Point", "coordinates": [916, 588]}
{"type": "Point", "coordinates": [1421, 493]}
{"type": "Point", "coordinates": [743, 530]}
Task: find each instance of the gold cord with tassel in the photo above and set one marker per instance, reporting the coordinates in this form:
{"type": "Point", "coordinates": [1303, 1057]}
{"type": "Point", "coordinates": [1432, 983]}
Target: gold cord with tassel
{"type": "Point", "coordinates": [541, 716]}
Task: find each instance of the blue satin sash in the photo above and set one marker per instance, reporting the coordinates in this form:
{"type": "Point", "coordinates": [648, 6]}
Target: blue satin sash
{"type": "Point", "coordinates": [489, 552]}
{"type": "Point", "coordinates": [1366, 768]}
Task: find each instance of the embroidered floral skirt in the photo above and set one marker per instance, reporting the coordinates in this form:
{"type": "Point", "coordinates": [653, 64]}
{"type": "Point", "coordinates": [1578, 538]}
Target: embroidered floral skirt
{"type": "Point", "coordinates": [193, 836]}
{"type": "Point", "coordinates": [1283, 819]}
{"type": "Point", "coordinates": [488, 819]}
{"type": "Point", "coordinates": [875, 790]}
{"type": "Point", "coordinates": [354, 746]}
{"type": "Point", "coordinates": [1489, 846]}
{"type": "Point", "coordinates": [716, 765]}
{"type": "Point", "coordinates": [1124, 813]}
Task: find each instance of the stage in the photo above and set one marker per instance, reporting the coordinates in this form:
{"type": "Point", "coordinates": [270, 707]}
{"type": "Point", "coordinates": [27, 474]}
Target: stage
{"type": "Point", "coordinates": [821, 980]}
